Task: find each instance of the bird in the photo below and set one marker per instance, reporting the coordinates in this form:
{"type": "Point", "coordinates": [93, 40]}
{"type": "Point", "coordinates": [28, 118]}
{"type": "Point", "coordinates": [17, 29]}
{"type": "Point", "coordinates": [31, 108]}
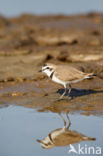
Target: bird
{"type": "Point", "coordinates": [65, 75]}
{"type": "Point", "coordinates": [63, 137]}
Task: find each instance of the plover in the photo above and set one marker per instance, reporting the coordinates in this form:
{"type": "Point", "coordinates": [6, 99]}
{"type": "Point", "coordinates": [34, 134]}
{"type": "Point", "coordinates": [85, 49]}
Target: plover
{"type": "Point", "coordinates": [63, 136]}
{"type": "Point", "coordinates": [65, 75]}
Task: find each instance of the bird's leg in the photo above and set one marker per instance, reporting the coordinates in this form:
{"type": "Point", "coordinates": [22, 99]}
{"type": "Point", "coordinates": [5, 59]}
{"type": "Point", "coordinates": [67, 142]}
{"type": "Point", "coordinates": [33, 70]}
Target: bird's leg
{"type": "Point", "coordinates": [63, 120]}
{"type": "Point", "coordinates": [68, 120]}
{"type": "Point", "coordinates": [64, 92]}
{"type": "Point", "coordinates": [70, 88]}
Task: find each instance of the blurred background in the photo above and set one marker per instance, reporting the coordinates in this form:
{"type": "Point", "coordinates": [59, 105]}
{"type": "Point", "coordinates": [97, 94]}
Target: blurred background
{"type": "Point", "coordinates": [16, 7]}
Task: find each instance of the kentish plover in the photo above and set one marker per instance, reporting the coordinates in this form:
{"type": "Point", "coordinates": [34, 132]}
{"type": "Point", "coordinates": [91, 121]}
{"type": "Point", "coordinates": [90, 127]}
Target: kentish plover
{"type": "Point", "coordinates": [63, 136]}
{"type": "Point", "coordinates": [65, 74]}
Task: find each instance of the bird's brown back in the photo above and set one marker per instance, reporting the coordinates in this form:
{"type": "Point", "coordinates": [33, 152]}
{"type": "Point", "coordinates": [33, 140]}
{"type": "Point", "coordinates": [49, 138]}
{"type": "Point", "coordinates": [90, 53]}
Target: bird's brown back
{"type": "Point", "coordinates": [68, 73]}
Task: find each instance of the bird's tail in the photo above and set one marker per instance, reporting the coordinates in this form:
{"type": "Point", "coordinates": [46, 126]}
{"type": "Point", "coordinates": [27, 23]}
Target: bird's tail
{"type": "Point", "coordinates": [88, 138]}
{"type": "Point", "coordinates": [90, 75]}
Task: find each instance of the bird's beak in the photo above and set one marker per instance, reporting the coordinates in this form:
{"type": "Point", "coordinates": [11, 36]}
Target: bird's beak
{"type": "Point", "coordinates": [40, 71]}
{"type": "Point", "coordinates": [39, 141]}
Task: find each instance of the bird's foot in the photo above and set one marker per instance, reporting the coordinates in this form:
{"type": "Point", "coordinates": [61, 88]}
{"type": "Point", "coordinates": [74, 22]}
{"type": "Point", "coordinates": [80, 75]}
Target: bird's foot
{"type": "Point", "coordinates": [70, 97]}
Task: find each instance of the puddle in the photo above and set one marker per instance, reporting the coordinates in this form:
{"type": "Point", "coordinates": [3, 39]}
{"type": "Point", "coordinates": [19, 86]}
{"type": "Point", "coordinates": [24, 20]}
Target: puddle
{"type": "Point", "coordinates": [20, 128]}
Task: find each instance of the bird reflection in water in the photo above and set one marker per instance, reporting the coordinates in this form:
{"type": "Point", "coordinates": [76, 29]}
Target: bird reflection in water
{"type": "Point", "coordinates": [63, 136]}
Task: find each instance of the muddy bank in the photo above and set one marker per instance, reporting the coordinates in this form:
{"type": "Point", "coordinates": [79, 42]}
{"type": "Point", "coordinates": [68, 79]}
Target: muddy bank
{"type": "Point", "coordinates": [43, 95]}
{"type": "Point", "coordinates": [28, 41]}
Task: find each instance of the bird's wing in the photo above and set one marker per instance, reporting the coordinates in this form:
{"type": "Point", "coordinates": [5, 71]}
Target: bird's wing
{"type": "Point", "coordinates": [66, 73]}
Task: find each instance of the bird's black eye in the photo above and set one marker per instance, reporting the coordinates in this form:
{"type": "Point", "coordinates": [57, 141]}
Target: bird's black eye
{"type": "Point", "coordinates": [47, 68]}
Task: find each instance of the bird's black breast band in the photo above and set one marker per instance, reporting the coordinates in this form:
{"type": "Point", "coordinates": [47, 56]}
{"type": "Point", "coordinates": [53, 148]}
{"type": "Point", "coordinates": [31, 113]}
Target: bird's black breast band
{"type": "Point", "coordinates": [51, 75]}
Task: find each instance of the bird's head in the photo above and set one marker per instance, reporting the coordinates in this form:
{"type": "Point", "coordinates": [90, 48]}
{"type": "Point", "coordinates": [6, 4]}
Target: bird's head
{"type": "Point", "coordinates": [48, 69]}
{"type": "Point", "coordinates": [46, 144]}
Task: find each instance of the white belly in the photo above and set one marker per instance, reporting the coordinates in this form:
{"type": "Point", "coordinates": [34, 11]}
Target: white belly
{"type": "Point", "coordinates": [55, 79]}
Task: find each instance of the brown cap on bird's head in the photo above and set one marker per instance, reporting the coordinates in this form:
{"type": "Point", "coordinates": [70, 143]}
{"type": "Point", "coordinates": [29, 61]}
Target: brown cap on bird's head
{"type": "Point", "coordinates": [49, 65]}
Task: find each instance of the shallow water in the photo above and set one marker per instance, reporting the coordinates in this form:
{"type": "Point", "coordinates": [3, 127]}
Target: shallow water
{"type": "Point", "coordinates": [20, 128]}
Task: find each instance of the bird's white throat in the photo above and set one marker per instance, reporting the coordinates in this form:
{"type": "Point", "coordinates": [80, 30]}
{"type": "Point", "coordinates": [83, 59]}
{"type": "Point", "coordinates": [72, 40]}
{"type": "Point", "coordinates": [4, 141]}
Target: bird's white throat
{"type": "Point", "coordinates": [48, 72]}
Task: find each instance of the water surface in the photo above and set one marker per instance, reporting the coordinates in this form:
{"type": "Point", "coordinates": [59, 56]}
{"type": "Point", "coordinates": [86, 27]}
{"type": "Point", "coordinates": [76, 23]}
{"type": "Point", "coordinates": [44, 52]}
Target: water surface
{"type": "Point", "coordinates": [20, 128]}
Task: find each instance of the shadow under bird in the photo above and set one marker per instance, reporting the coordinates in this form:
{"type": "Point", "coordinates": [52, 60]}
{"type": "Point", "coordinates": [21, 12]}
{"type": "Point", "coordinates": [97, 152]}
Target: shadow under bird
{"type": "Point", "coordinates": [65, 75]}
{"type": "Point", "coordinates": [63, 136]}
